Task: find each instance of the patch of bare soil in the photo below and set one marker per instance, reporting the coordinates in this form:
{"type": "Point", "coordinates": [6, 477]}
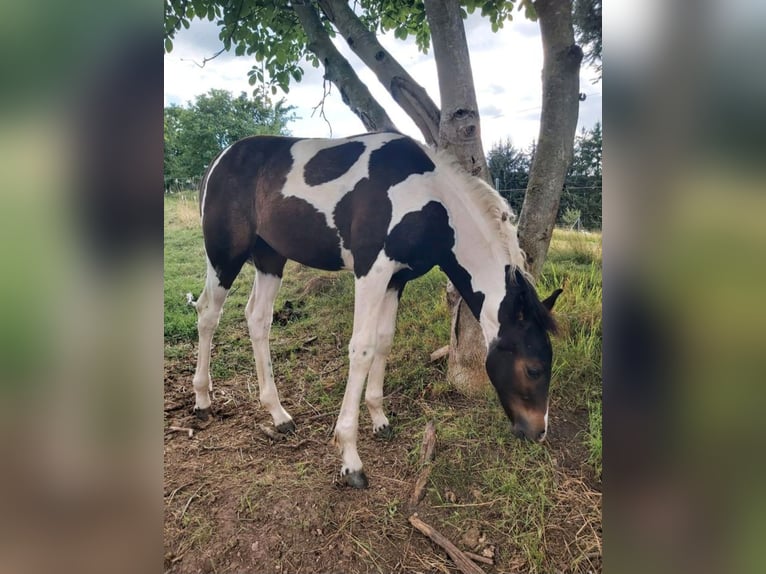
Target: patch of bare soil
{"type": "Point", "coordinates": [238, 501]}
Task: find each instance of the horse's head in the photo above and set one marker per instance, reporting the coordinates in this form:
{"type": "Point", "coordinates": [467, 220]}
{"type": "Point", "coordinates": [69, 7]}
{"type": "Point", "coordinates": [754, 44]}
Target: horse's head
{"type": "Point", "coordinates": [519, 359]}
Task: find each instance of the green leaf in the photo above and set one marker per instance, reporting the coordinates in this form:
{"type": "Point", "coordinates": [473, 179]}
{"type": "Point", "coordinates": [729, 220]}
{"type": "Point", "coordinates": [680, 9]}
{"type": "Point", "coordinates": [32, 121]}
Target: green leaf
{"type": "Point", "coordinates": [168, 45]}
{"type": "Point", "coordinates": [199, 6]}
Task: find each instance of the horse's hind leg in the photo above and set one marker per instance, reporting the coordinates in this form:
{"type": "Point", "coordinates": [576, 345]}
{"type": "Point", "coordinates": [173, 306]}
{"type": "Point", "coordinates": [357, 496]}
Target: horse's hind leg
{"type": "Point", "coordinates": [209, 306]}
{"type": "Point", "coordinates": [259, 313]}
{"type": "Point", "coordinates": [385, 335]}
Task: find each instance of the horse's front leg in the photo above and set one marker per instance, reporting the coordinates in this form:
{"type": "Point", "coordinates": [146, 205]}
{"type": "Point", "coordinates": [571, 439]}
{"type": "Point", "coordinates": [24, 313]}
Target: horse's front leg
{"type": "Point", "coordinates": [385, 336]}
{"type": "Point", "coordinates": [369, 296]}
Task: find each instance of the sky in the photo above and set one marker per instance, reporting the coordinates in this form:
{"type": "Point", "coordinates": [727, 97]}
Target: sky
{"type": "Point", "coordinates": [506, 66]}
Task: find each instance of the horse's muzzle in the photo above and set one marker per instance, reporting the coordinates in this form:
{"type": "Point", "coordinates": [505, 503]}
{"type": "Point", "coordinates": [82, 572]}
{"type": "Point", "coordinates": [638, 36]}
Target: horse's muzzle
{"type": "Point", "coordinates": [525, 433]}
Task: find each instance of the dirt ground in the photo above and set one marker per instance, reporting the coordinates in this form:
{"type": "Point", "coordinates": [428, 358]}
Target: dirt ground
{"type": "Point", "coordinates": [237, 501]}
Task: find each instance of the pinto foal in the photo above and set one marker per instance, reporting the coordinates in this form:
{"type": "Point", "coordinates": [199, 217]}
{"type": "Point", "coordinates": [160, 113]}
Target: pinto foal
{"type": "Point", "coordinates": [389, 209]}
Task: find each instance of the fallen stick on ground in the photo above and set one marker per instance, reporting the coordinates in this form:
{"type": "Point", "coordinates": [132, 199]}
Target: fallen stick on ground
{"type": "Point", "coordinates": [479, 558]}
{"type": "Point", "coordinates": [187, 430]}
{"type": "Point", "coordinates": [439, 353]}
{"type": "Point", "coordinates": [426, 456]}
{"type": "Point", "coordinates": [458, 556]}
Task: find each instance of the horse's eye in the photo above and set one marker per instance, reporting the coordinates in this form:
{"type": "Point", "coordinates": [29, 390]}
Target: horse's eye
{"type": "Point", "coordinates": [533, 373]}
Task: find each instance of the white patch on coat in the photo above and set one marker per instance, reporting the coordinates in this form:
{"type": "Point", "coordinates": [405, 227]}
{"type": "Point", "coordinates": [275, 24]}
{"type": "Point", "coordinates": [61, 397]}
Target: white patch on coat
{"type": "Point", "coordinates": [325, 196]}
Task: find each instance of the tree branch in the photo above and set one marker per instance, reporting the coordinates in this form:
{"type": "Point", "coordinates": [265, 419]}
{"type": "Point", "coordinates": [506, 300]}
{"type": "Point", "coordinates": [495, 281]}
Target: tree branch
{"type": "Point", "coordinates": [458, 557]}
{"type": "Point", "coordinates": [224, 49]}
{"type": "Point", "coordinates": [320, 106]}
{"type": "Point", "coordinates": [410, 95]}
{"type": "Point", "coordinates": [337, 69]}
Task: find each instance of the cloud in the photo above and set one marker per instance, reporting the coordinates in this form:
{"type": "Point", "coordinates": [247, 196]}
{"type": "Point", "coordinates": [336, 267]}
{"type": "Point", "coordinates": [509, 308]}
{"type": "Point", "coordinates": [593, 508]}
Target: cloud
{"type": "Point", "coordinates": [490, 111]}
{"type": "Point", "coordinates": [495, 89]}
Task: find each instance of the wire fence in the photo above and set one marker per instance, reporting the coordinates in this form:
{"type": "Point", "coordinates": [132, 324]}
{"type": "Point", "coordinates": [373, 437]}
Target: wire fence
{"type": "Point", "coordinates": [580, 206]}
{"type": "Point", "coordinates": [176, 185]}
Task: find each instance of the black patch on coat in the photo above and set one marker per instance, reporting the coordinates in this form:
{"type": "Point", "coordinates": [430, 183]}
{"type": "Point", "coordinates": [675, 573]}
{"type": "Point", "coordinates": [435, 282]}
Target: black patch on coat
{"type": "Point", "coordinates": [246, 216]}
{"type": "Point", "coordinates": [425, 238]}
{"type": "Point", "coordinates": [396, 160]}
{"type": "Point", "coordinates": [297, 230]}
{"type": "Point", "coordinates": [331, 163]}
{"type": "Point", "coordinates": [362, 216]}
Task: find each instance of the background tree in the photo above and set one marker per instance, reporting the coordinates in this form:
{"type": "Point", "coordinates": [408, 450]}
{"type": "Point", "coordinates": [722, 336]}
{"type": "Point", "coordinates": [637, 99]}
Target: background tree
{"type": "Point", "coordinates": [587, 23]}
{"type": "Point", "coordinates": [582, 190]}
{"type": "Point", "coordinates": [509, 169]}
{"type": "Point", "coordinates": [196, 133]}
{"type": "Point", "coordinates": [281, 35]}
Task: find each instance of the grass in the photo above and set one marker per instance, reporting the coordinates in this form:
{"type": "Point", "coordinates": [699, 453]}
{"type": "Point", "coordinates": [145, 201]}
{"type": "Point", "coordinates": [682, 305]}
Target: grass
{"type": "Point", "coordinates": [481, 475]}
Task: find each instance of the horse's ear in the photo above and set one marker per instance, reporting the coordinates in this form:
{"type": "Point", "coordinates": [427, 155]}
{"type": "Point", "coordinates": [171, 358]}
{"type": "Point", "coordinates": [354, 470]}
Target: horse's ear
{"type": "Point", "coordinates": [551, 300]}
{"type": "Point", "coordinates": [518, 280]}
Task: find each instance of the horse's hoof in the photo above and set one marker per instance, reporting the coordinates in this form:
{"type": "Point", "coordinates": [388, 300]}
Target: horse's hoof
{"type": "Point", "coordinates": [384, 432]}
{"type": "Point", "coordinates": [356, 479]}
{"type": "Point", "coordinates": [287, 427]}
{"type": "Point", "coordinates": [202, 414]}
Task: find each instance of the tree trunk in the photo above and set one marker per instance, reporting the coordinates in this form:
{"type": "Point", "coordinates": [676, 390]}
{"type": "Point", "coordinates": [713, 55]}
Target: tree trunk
{"type": "Point", "coordinates": [460, 133]}
{"type": "Point", "coordinates": [337, 69]}
{"type": "Point", "coordinates": [410, 95]}
{"type": "Point", "coordinates": [558, 122]}
{"type": "Point", "coordinates": [459, 125]}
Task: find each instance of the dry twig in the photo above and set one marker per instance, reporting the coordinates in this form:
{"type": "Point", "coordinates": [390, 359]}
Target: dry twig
{"type": "Point", "coordinates": [479, 558]}
{"type": "Point", "coordinates": [459, 557]}
{"type": "Point", "coordinates": [426, 456]}
{"type": "Point", "coordinates": [439, 353]}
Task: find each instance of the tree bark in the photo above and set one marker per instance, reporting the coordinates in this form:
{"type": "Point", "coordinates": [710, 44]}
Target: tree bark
{"type": "Point", "coordinates": [467, 349]}
{"type": "Point", "coordinates": [558, 123]}
{"type": "Point", "coordinates": [410, 95]}
{"type": "Point", "coordinates": [460, 133]}
{"type": "Point", "coordinates": [337, 69]}
{"type": "Point", "coordinates": [459, 126]}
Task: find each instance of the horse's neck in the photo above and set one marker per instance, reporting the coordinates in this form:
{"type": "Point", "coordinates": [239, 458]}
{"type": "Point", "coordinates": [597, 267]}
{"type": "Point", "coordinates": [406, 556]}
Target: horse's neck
{"type": "Point", "coordinates": [479, 253]}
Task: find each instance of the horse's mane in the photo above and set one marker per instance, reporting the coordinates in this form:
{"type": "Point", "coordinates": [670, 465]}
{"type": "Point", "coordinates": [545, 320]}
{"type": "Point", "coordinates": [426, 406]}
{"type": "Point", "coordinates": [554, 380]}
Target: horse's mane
{"type": "Point", "coordinates": [489, 204]}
